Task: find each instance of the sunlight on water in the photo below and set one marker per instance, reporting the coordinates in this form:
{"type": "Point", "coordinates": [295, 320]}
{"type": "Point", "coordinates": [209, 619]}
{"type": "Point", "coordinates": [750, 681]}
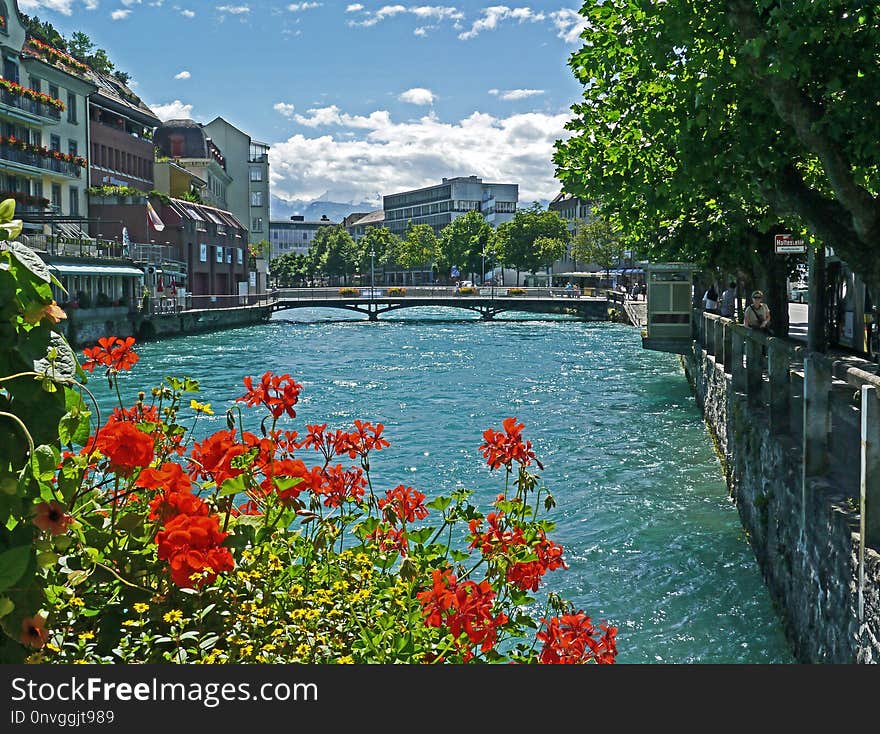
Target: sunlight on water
{"type": "Point", "coordinates": [652, 541]}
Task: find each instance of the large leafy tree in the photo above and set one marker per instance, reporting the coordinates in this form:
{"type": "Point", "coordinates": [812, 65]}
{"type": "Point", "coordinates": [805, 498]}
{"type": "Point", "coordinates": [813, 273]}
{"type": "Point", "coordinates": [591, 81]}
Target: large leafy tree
{"type": "Point", "coordinates": [515, 241]}
{"type": "Point", "coordinates": [334, 251]}
{"type": "Point", "coordinates": [382, 242]}
{"type": "Point", "coordinates": [464, 241]}
{"type": "Point", "coordinates": [419, 247]}
{"type": "Point", "coordinates": [597, 242]}
{"type": "Point", "coordinates": [705, 133]}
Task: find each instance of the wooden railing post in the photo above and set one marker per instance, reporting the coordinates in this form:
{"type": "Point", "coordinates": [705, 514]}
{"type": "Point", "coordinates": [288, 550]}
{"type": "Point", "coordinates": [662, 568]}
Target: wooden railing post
{"type": "Point", "coordinates": [817, 423]}
{"type": "Point", "coordinates": [779, 366]}
{"type": "Point", "coordinates": [737, 371]}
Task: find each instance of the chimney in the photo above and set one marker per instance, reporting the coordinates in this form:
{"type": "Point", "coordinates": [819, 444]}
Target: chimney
{"type": "Point", "coordinates": [297, 218]}
{"type": "Point", "coordinates": [324, 218]}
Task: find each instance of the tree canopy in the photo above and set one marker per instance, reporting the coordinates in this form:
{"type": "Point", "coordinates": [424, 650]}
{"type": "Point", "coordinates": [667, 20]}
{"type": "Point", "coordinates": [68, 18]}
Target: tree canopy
{"type": "Point", "coordinates": [515, 241]}
{"type": "Point", "coordinates": [463, 241]}
{"type": "Point", "coordinates": [706, 128]}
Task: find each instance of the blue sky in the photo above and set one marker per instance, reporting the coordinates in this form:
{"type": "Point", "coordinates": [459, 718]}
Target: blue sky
{"type": "Point", "coordinates": [356, 99]}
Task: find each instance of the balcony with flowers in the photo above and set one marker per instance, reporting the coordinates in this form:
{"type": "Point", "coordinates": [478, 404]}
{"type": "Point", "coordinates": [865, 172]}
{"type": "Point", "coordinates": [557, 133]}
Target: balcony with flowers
{"type": "Point", "coordinates": [17, 151]}
{"type": "Point", "coordinates": [55, 57]}
{"type": "Point", "coordinates": [29, 104]}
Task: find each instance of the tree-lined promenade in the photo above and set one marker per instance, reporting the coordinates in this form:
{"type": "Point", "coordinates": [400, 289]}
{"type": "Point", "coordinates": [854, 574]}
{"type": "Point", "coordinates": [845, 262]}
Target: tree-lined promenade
{"type": "Point", "coordinates": [707, 128]}
{"type": "Point", "coordinates": [530, 243]}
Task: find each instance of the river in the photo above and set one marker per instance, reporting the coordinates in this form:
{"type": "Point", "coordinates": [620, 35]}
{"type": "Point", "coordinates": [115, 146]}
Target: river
{"type": "Point", "coordinates": [652, 540]}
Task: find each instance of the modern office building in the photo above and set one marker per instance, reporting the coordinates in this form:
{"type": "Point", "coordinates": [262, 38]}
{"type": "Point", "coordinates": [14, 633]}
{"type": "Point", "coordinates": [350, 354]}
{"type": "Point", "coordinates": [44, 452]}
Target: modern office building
{"type": "Point", "coordinates": [439, 205]}
{"type": "Point", "coordinates": [295, 235]}
{"type": "Point", "coordinates": [43, 127]}
{"type": "Point", "coordinates": [247, 163]}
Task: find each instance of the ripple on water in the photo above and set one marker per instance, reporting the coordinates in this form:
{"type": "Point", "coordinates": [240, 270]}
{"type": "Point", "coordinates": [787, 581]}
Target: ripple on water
{"type": "Point", "coordinates": [652, 540]}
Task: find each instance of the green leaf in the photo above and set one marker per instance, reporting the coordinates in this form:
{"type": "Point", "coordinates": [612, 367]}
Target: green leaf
{"type": "Point", "coordinates": [13, 564]}
{"type": "Point", "coordinates": [11, 230]}
{"type": "Point", "coordinates": [440, 503]}
{"type": "Point", "coordinates": [59, 364]}
{"type": "Point", "coordinates": [7, 210]}
{"type": "Point", "coordinates": [30, 260]}
{"type": "Point", "coordinates": [45, 462]}
{"type": "Point", "coordinates": [235, 485]}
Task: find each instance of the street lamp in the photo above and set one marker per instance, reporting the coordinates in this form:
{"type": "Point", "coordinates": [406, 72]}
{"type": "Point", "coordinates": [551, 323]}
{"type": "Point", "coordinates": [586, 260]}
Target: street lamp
{"type": "Point", "coordinates": [372, 272]}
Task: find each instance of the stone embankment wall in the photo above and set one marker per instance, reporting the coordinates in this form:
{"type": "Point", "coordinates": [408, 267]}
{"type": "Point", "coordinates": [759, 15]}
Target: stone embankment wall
{"type": "Point", "coordinates": [84, 327]}
{"type": "Point", "coordinates": [806, 543]}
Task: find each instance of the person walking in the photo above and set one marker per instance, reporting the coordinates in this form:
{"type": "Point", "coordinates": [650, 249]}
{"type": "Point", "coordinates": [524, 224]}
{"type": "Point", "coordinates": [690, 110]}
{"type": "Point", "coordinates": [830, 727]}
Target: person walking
{"type": "Point", "coordinates": [757, 315]}
{"type": "Point", "coordinates": [728, 301]}
{"type": "Point", "coordinates": [710, 299]}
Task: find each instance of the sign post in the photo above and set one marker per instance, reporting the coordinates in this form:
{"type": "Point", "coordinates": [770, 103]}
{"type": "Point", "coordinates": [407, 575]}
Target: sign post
{"type": "Point", "coordinates": [785, 245]}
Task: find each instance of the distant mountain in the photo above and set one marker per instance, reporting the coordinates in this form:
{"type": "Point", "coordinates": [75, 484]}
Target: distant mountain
{"type": "Point", "coordinates": [336, 211]}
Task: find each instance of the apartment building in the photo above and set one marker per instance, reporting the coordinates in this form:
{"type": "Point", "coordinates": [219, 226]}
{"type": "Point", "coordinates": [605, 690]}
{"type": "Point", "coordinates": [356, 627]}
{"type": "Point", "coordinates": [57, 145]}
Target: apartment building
{"type": "Point", "coordinates": [295, 235]}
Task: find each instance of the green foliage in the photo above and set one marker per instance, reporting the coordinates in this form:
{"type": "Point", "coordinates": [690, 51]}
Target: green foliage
{"type": "Point", "coordinates": [517, 242]}
{"type": "Point", "coordinates": [418, 248]}
{"type": "Point", "coordinates": [463, 241]}
{"type": "Point", "coordinates": [597, 242]}
{"type": "Point", "coordinates": [334, 251]}
{"type": "Point", "coordinates": [384, 245]}
{"type": "Point", "coordinates": [44, 31]}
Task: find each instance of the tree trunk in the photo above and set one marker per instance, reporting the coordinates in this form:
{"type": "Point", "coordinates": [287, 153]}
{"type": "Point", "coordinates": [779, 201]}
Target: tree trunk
{"type": "Point", "coordinates": [816, 341]}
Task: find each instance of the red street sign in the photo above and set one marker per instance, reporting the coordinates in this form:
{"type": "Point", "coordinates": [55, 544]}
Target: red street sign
{"type": "Point", "coordinates": [785, 245]}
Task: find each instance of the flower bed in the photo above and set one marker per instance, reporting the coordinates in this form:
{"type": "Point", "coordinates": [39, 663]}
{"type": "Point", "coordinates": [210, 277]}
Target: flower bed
{"type": "Point", "coordinates": [349, 292]}
{"type": "Point", "coordinates": [467, 291]}
{"type": "Point", "coordinates": [515, 292]}
{"type": "Point", "coordinates": [13, 142]}
{"type": "Point", "coordinates": [53, 55]}
{"type": "Point", "coordinates": [396, 291]}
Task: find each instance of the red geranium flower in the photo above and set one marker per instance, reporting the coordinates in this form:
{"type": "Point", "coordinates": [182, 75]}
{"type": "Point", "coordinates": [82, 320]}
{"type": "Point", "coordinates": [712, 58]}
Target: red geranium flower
{"type": "Point", "coordinates": [52, 516]}
{"type": "Point", "coordinates": [212, 458]}
{"type": "Point", "coordinates": [279, 393]}
{"type": "Point", "coordinates": [405, 503]}
{"type": "Point", "coordinates": [342, 484]}
{"type": "Point", "coordinates": [125, 447]}
{"type": "Point", "coordinates": [113, 352]}
{"type": "Point", "coordinates": [572, 639]}
{"type": "Point", "coordinates": [505, 448]}
{"type": "Point", "coordinates": [192, 545]}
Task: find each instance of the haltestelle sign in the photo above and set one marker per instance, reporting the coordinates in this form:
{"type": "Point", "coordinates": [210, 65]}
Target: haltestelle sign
{"type": "Point", "coordinates": [785, 245]}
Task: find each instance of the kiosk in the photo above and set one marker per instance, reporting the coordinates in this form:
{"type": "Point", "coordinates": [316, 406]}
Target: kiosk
{"type": "Point", "coordinates": [670, 307]}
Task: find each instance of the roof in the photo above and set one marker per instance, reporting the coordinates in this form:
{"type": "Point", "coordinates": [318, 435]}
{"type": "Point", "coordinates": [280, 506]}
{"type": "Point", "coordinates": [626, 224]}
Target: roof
{"type": "Point", "coordinates": [371, 218]}
{"type": "Point", "coordinates": [121, 270]}
{"type": "Point", "coordinates": [119, 95]}
{"type": "Point", "coordinates": [204, 213]}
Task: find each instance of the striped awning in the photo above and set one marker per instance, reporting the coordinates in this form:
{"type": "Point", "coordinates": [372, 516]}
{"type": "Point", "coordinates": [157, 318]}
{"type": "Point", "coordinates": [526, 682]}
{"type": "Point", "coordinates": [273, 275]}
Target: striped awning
{"type": "Point", "coordinates": [118, 270]}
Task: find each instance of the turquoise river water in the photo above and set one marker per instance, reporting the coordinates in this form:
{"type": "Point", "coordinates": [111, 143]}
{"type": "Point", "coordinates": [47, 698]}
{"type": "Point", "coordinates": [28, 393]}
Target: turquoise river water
{"type": "Point", "coordinates": [652, 540]}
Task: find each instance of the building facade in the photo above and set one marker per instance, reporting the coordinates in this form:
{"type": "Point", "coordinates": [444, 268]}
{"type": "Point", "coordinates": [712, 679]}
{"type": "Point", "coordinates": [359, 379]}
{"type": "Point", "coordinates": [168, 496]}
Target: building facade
{"type": "Point", "coordinates": [438, 205]}
{"type": "Point", "coordinates": [186, 143]}
{"type": "Point", "coordinates": [247, 163]}
{"type": "Point", "coordinates": [294, 235]}
{"type": "Point", "coordinates": [121, 129]}
{"type": "Point", "coordinates": [357, 227]}
{"type": "Point", "coordinates": [44, 140]}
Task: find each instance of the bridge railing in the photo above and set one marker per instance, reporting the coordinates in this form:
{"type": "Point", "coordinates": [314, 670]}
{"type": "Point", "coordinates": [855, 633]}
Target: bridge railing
{"type": "Point", "coordinates": [424, 291]}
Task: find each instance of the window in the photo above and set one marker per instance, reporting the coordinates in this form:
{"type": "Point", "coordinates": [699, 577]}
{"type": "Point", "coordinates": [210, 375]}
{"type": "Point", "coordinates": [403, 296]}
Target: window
{"type": "Point", "coordinates": [256, 198]}
{"type": "Point", "coordinates": [53, 91]}
{"type": "Point", "coordinates": [219, 254]}
{"type": "Point", "coordinates": [74, 201]}
{"type": "Point", "coordinates": [229, 256]}
{"type": "Point", "coordinates": [240, 254]}
{"type": "Point", "coordinates": [71, 107]}
{"type": "Point", "coordinates": [38, 189]}
{"type": "Point", "coordinates": [37, 138]}
{"type": "Point", "coordinates": [10, 70]}
{"type": "Point", "coordinates": [257, 224]}
{"type": "Point", "coordinates": [4, 19]}
{"type": "Point", "coordinates": [203, 253]}
{"type": "Point", "coordinates": [256, 174]}
{"type": "Point", "coordinates": [55, 142]}
{"type": "Point", "coordinates": [35, 83]}
{"type": "Point", "coordinates": [72, 147]}
{"type": "Point", "coordinates": [56, 196]}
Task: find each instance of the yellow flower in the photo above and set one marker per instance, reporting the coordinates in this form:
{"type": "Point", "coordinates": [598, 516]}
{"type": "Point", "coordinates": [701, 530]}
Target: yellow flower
{"type": "Point", "coordinates": [303, 650]}
{"type": "Point", "coordinates": [77, 602]}
{"type": "Point", "coordinates": [201, 407]}
{"type": "Point", "coordinates": [87, 636]}
{"type": "Point", "coordinates": [175, 615]}
{"type": "Point", "coordinates": [52, 648]}
{"type": "Point", "coordinates": [140, 607]}
{"type": "Point", "coordinates": [246, 650]}
{"type": "Point", "coordinates": [345, 660]}
{"type": "Point", "coordinates": [80, 662]}
{"type": "Point", "coordinates": [131, 623]}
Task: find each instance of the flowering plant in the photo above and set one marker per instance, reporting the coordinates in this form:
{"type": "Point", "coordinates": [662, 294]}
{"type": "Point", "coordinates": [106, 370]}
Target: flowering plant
{"type": "Point", "coordinates": [14, 142]}
{"type": "Point", "coordinates": [396, 291]}
{"type": "Point", "coordinates": [128, 539]}
{"type": "Point", "coordinates": [53, 55]}
{"type": "Point", "coordinates": [349, 292]}
{"type": "Point", "coordinates": [22, 91]}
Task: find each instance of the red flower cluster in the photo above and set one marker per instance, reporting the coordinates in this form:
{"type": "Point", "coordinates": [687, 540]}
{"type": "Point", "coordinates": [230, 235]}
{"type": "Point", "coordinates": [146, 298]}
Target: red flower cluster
{"type": "Point", "coordinates": [191, 540]}
{"type": "Point", "coordinates": [20, 91]}
{"type": "Point", "coordinates": [54, 55]}
{"type": "Point", "coordinates": [212, 458]}
{"type": "Point", "coordinates": [342, 484]}
{"type": "Point", "coordinates": [465, 608]}
{"type": "Point", "coordinates": [505, 448]}
{"type": "Point", "coordinates": [279, 393]}
{"type": "Point", "coordinates": [124, 446]}
{"type": "Point", "coordinates": [113, 352]}
{"type": "Point", "coordinates": [388, 538]}
{"type": "Point", "coordinates": [405, 504]}
{"type": "Point", "coordinates": [365, 438]}
{"type": "Point", "coordinates": [572, 639]}
{"type": "Point", "coordinates": [497, 542]}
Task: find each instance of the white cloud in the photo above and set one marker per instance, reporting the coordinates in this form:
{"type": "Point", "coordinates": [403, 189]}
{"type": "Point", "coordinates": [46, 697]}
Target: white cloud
{"type": "Point", "coordinates": [91, 4]}
{"type": "Point", "coordinates": [183, 75]}
{"type": "Point", "coordinates": [175, 110]}
{"type": "Point", "coordinates": [354, 7]}
{"type": "Point", "coordinates": [188, 13]}
{"type": "Point", "coordinates": [569, 25]}
{"type": "Point", "coordinates": [435, 13]}
{"type": "Point", "coordinates": [234, 9]}
{"type": "Point", "coordinates": [418, 95]}
{"type": "Point", "coordinates": [387, 156]}
{"type": "Point", "coordinates": [120, 14]}
{"type": "Point", "coordinates": [297, 7]}
{"type": "Point", "coordinates": [284, 108]}
{"type": "Point", "coordinates": [496, 14]}
{"type": "Point", "coordinates": [59, 6]}
{"type": "Point", "coordinates": [515, 94]}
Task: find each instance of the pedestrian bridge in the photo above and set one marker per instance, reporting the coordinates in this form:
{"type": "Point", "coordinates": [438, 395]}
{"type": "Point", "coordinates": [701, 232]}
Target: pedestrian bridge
{"type": "Point", "coordinates": [487, 302]}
